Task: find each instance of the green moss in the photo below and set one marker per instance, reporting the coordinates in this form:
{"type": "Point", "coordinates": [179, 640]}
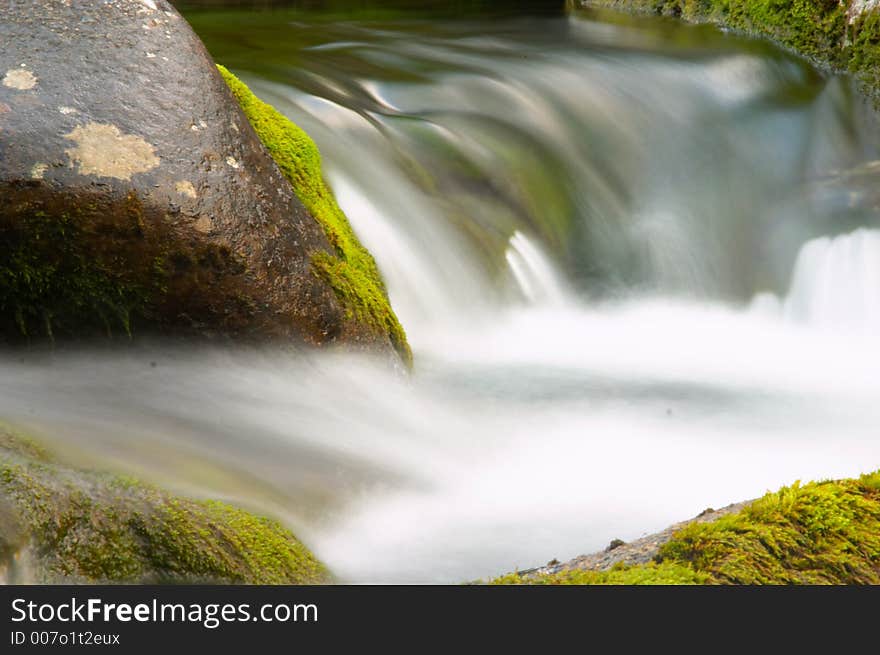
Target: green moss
{"type": "Point", "coordinates": [650, 574]}
{"type": "Point", "coordinates": [13, 441]}
{"type": "Point", "coordinates": [215, 540]}
{"type": "Point", "coordinates": [93, 528]}
{"type": "Point", "coordinates": [863, 51]}
{"type": "Point", "coordinates": [818, 533]}
{"type": "Point", "coordinates": [350, 271]}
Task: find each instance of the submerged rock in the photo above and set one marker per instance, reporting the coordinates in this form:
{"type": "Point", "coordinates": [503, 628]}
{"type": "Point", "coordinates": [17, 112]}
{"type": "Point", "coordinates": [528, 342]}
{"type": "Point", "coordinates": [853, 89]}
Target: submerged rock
{"type": "Point", "coordinates": [138, 198]}
{"type": "Point", "coordinates": [59, 525]}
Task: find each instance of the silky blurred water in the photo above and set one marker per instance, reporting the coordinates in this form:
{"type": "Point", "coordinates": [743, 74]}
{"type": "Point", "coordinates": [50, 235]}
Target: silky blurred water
{"type": "Point", "coordinates": [638, 262]}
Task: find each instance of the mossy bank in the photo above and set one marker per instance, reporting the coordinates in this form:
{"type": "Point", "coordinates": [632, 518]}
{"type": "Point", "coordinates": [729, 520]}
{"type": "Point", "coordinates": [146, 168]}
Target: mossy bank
{"type": "Point", "coordinates": [58, 524]}
{"type": "Point", "coordinates": [818, 533]}
{"type": "Point", "coordinates": [844, 36]}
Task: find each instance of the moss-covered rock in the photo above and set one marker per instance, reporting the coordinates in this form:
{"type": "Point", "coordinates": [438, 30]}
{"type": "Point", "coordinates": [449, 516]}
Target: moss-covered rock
{"type": "Point", "coordinates": [138, 200]}
{"type": "Point", "coordinates": [844, 36]}
{"type": "Point", "coordinates": [350, 270]}
{"type": "Point", "coordinates": [76, 526]}
{"type": "Point", "coordinates": [818, 533]}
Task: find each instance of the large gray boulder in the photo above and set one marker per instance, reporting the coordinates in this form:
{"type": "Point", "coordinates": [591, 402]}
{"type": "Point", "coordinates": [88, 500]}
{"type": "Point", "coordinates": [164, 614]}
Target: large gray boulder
{"type": "Point", "coordinates": [134, 194]}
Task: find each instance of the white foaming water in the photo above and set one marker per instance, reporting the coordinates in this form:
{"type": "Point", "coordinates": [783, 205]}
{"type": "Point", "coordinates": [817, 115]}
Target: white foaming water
{"type": "Point", "coordinates": [420, 294]}
{"type": "Point", "coordinates": [545, 435]}
{"type": "Point", "coordinates": [533, 272]}
{"type": "Point", "coordinates": [835, 286]}
{"type": "Point", "coordinates": [527, 430]}
{"type": "Point", "coordinates": [836, 283]}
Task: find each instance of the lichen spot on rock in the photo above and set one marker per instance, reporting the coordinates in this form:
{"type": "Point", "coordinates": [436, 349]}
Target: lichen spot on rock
{"type": "Point", "coordinates": [186, 188]}
{"type": "Point", "coordinates": [38, 171]}
{"type": "Point", "coordinates": [20, 79]}
{"type": "Point", "coordinates": [204, 225]}
{"type": "Point", "coordinates": [104, 151]}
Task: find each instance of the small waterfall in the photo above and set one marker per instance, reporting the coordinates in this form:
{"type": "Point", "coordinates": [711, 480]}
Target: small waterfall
{"type": "Point", "coordinates": [533, 272]}
{"type": "Point", "coordinates": [671, 176]}
{"type": "Point", "coordinates": [835, 283]}
{"type": "Point", "coordinates": [419, 292]}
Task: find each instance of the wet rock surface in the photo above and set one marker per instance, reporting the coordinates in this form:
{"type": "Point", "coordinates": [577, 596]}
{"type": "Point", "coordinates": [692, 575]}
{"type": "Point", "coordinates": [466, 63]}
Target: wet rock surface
{"type": "Point", "coordinates": [135, 194]}
{"type": "Point", "coordinates": [59, 524]}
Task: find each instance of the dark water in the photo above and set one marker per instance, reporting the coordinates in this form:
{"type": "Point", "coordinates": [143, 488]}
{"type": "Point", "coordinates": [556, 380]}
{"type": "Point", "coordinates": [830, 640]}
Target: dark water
{"type": "Point", "coordinates": [327, 9]}
{"type": "Point", "coordinates": [638, 262]}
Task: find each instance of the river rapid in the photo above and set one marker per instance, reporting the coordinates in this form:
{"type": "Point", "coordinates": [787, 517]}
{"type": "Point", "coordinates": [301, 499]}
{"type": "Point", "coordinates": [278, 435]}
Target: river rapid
{"type": "Point", "coordinates": [638, 263]}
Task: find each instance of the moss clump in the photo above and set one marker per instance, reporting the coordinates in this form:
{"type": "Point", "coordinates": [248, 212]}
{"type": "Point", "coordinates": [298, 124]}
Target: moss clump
{"type": "Point", "coordinates": [817, 29]}
{"type": "Point", "coordinates": [87, 527]}
{"type": "Point", "coordinates": [818, 533]}
{"type": "Point", "coordinates": [351, 272]}
{"type": "Point", "coordinates": [650, 574]}
{"type": "Point", "coordinates": [862, 53]}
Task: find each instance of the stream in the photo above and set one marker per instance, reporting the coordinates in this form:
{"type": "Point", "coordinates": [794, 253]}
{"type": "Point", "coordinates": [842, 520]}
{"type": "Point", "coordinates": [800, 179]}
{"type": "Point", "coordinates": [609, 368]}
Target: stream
{"type": "Point", "coordinates": [638, 263]}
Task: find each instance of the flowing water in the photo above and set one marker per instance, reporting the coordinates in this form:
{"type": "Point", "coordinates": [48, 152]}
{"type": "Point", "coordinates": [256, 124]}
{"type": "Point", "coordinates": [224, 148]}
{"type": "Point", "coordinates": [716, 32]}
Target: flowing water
{"type": "Point", "coordinates": [638, 262]}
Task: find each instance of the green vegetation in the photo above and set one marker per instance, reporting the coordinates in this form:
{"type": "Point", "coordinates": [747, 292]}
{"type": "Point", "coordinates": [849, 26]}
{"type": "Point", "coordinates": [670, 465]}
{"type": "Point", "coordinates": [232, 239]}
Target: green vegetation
{"type": "Point", "coordinates": [817, 29]}
{"type": "Point", "coordinates": [650, 574]}
{"type": "Point", "coordinates": [863, 51]}
{"type": "Point", "coordinates": [818, 533]}
{"type": "Point", "coordinates": [351, 272]}
{"type": "Point", "coordinates": [87, 527]}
